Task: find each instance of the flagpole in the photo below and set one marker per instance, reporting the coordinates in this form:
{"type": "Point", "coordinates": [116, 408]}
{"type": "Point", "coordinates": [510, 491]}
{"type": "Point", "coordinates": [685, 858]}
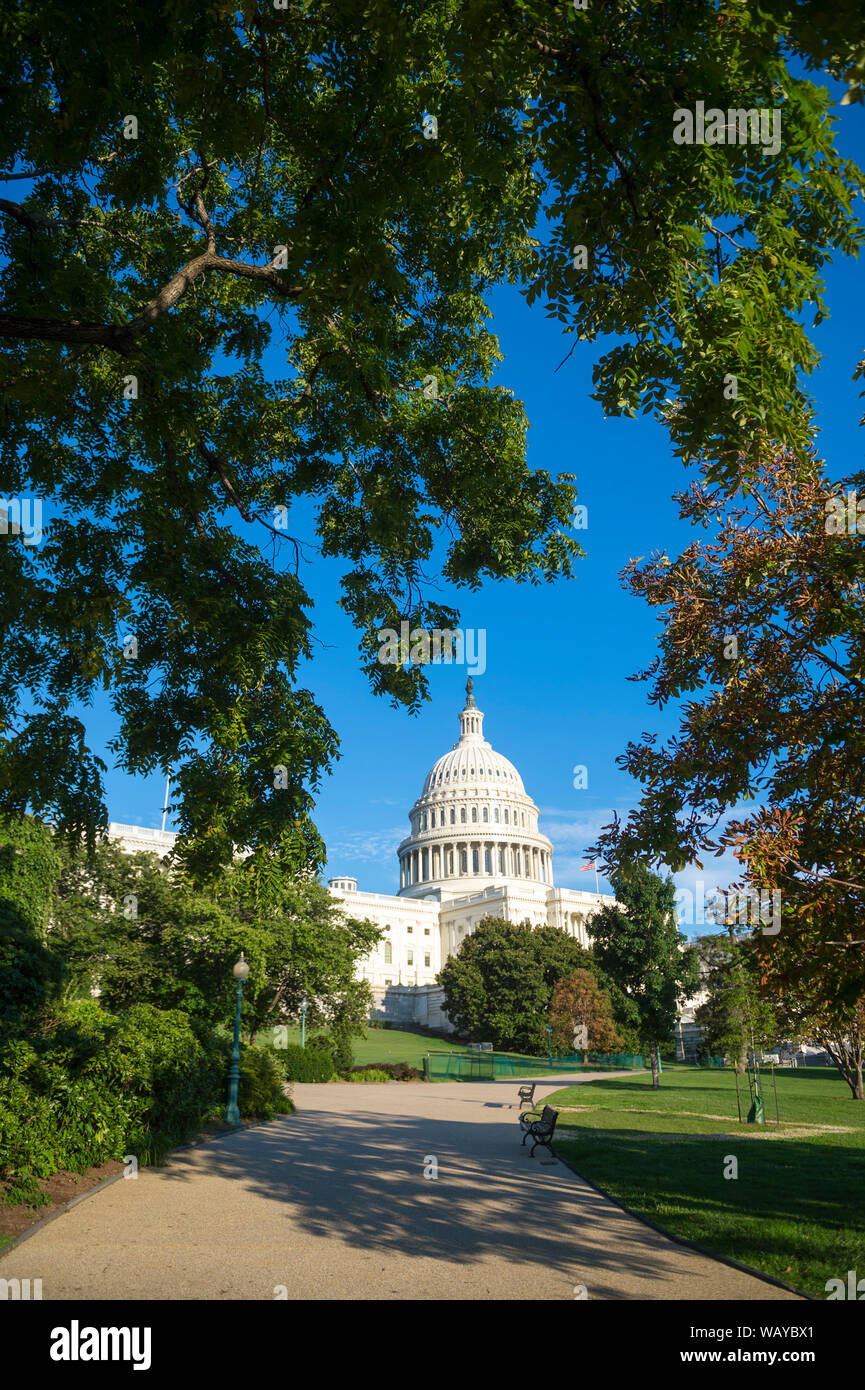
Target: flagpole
{"type": "Point", "coordinates": [165, 807]}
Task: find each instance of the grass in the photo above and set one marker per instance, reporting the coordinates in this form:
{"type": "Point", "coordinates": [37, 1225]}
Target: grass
{"type": "Point", "coordinates": [388, 1045]}
{"type": "Point", "coordinates": [796, 1209]}
{"type": "Point", "coordinates": [393, 1045]}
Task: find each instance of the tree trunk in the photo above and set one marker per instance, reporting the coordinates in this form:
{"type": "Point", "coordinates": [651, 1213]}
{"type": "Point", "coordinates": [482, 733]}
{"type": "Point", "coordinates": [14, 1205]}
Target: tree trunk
{"type": "Point", "coordinates": [849, 1063]}
{"type": "Point", "coordinates": [656, 1080]}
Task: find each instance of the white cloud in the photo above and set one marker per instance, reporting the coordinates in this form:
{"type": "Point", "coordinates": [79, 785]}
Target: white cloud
{"type": "Point", "coordinates": [375, 846]}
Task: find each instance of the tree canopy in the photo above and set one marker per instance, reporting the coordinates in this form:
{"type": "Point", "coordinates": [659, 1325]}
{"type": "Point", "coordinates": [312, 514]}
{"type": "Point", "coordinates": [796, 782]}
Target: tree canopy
{"type": "Point", "coordinates": [638, 945]}
{"type": "Point", "coordinates": [194, 189]}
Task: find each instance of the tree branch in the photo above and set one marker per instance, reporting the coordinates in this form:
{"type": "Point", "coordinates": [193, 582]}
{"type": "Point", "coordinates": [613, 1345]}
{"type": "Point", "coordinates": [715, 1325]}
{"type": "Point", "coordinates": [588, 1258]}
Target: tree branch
{"type": "Point", "coordinates": [121, 337]}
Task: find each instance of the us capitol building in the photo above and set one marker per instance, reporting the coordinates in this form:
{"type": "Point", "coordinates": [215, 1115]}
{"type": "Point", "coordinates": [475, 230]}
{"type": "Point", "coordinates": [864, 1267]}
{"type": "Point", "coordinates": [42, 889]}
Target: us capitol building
{"type": "Point", "coordinates": [474, 850]}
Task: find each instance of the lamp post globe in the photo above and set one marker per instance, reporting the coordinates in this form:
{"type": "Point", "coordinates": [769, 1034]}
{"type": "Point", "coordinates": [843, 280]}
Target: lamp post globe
{"type": "Point", "coordinates": [232, 1114]}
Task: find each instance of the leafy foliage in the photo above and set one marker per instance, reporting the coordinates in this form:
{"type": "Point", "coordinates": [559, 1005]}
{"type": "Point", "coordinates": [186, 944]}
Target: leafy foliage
{"type": "Point", "coordinates": [499, 984]}
{"type": "Point", "coordinates": [278, 192]}
{"type": "Point", "coordinates": [315, 1062]}
{"type": "Point", "coordinates": [638, 944]}
{"type": "Point", "coordinates": [577, 1000]}
{"type": "Point", "coordinates": [735, 1019]}
{"type": "Point", "coordinates": [396, 1071]}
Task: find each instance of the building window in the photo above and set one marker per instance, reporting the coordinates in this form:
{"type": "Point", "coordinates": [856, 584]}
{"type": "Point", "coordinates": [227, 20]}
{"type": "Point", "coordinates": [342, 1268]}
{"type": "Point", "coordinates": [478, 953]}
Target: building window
{"type": "Point", "coordinates": [426, 959]}
{"type": "Point", "coordinates": [475, 866]}
{"type": "Point", "coordinates": [488, 868]}
{"type": "Point", "coordinates": [453, 816]}
{"type": "Point", "coordinates": [388, 982]}
{"type": "Point", "coordinates": [496, 814]}
{"type": "Point", "coordinates": [464, 862]}
{"type": "Point", "coordinates": [409, 930]}
{"type": "Point", "coordinates": [474, 815]}
{"type": "Point", "coordinates": [486, 815]}
{"type": "Point", "coordinates": [388, 953]}
{"type": "Point", "coordinates": [433, 820]}
{"type": "Point", "coordinates": [409, 956]}
{"type": "Point", "coordinates": [462, 815]}
{"type": "Point", "coordinates": [506, 816]}
{"type": "Point", "coordinates": [426, 931]}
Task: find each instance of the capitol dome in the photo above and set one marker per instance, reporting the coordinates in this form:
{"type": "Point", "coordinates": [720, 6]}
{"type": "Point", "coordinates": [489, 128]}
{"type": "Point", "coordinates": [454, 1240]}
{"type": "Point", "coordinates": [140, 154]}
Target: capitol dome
{"type": "Point", "coordinates": [474, 825]}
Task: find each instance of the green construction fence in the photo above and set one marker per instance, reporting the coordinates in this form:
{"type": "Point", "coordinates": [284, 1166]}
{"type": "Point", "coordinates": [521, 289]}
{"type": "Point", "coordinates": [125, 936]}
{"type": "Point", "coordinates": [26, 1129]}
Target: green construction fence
{"type": "Point", "coordinates": [486, 1066]}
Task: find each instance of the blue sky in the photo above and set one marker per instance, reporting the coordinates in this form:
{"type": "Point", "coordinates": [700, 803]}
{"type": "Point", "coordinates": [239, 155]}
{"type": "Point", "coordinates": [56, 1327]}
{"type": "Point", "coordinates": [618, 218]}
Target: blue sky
{"type": "Point", "coordinates": [555, 689]}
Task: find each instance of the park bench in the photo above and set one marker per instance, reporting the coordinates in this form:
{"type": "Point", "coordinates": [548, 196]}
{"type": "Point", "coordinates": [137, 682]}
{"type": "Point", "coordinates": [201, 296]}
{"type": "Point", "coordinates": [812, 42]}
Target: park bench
{"type": "Point", "coordinates": [527, 1094]}
{"type": "Point", "coordinates": [542, 1130]}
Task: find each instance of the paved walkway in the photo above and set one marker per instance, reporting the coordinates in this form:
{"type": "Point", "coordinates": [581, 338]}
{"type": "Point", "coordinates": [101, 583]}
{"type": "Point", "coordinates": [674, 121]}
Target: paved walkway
{"type": "Point", "coordinates": [332, 1203]}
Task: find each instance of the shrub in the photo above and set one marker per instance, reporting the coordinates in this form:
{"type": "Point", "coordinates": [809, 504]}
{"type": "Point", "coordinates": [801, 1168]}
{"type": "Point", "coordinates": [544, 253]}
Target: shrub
{"type": "Point", "coordinates": [260, 1093]}
{"type": "Point", "coordinates": [397, 1071]}
{"type": "Point", "coordinates": [343, 1057]}
{"type": "Point", "coordinates": [368, 1074]}
{"type": "Point", "coordinates": [95, 1086]}
{"type": "Point", "coordinates": [312, 1063]}
{"type": "Point", "coordinates": [172, 1078]}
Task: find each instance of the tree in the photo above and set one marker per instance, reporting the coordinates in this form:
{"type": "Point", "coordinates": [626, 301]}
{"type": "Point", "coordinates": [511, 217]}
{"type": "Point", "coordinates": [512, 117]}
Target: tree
{"type": "Point", "coordinates": [821, 1009]}
{"type": "Point", "coordinates": [499, 983]}
{"type": "Point", "coordinates": [763, 619]}
{"type": "Point", "coordinates": [198, 184]}
{"type": "Point", "coordinates": [638, 944]}
{"type": "Point", "coordinates": [578, 1001]}
{"type": "Point", "coordinates": [31, 973]}
{"type": "Point", "coordinates": [140, 931]}
{"type": "Point", "coordinates": [201, 186]}
{"type": "Point", "coordinates": [735, 1019]}
{"type": "Point", "coordinates": [842, 1032]}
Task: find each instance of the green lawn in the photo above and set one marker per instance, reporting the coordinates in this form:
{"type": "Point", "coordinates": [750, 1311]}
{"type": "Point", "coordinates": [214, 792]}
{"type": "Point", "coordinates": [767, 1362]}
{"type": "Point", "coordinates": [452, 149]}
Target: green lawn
{"type": "Point", "coordinates": [797, 1208]}
{"type": "Point", "coordinates": [388, 1045]}
{"type": "Point", "coordinates": [393, 1045]}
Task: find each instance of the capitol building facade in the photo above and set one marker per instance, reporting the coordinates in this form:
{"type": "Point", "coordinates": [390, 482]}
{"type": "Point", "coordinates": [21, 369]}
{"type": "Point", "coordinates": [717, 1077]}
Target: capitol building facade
{"type": "Point", "coordinates": [474, 850]}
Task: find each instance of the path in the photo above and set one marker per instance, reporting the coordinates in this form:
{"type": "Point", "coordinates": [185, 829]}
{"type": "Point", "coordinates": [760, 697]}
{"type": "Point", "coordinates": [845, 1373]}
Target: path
{"type": "Point", "coordinates": [332, 1203]}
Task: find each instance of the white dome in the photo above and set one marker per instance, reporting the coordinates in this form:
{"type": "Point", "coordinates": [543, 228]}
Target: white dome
{"type": "Point", "coordinates": [476, 765]}
{"type": "Point", "coordinates": [473, 825]}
